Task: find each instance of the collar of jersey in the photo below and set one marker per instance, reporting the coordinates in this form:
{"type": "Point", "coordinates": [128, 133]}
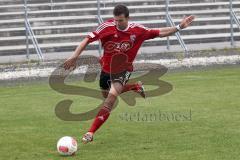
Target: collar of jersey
{"type": "Point", "coordinates": [124, 29]}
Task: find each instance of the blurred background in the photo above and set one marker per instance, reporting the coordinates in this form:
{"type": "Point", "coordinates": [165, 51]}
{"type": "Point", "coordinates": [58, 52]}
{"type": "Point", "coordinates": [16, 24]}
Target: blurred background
{"type": "Point", "coordinates": [45, 32]}
{"type": "Point", "coordinates": [197, 118]}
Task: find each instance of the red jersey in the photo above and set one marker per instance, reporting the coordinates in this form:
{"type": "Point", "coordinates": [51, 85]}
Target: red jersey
{"type": "Point", "coordinates": [120, 46]}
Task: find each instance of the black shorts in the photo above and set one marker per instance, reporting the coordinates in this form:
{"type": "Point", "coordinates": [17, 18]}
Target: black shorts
{"type": "Point", "coordinates": [106, 79]}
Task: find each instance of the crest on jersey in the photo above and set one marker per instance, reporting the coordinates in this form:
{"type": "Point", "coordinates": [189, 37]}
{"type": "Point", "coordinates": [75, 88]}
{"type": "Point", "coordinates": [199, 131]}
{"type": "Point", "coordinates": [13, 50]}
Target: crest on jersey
{"type": "Point", "coordinates": [133, 37]}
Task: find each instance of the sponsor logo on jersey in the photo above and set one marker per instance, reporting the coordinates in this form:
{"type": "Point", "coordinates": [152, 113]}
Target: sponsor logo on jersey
{"type": "Point", "coordinates": [133, 38]}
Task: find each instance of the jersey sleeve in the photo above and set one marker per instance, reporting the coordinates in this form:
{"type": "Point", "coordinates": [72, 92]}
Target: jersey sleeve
{"type": "Point", "coordinates": [149, 33]}
{"type": "Point", "coordinates": [95, 35]}
{"type": "Point", "coordinates": [100, 32]}
{"type": "Point", "coordinates": [145, 32]}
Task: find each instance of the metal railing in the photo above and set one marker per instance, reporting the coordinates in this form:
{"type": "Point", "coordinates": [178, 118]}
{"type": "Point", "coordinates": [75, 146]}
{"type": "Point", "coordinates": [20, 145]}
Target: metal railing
{"type": "Point", "coordinates": [177, 34]}
{"type": "Point", "coordinates": [100, 21]}
{"type": "Point", "coordinates": [233, 18]}
{"type": "Point", "coordinates": [52, 4]}
{"type": "Point", "coordinates": [30, 33]}
{"type": "Point", "coordinates": [104, 2]}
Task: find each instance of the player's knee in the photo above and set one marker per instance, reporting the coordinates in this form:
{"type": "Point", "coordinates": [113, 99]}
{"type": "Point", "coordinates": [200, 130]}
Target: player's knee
{"type": "Point", "coordinates": [110, 100]}
{"type": "Point", "coordinates": [105, 95]}
{"type": "Point", "coordinates": [116, 88]}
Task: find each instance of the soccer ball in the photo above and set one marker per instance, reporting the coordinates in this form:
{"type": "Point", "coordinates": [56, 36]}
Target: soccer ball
{"type": "Point", "coordinates": [67, 146]}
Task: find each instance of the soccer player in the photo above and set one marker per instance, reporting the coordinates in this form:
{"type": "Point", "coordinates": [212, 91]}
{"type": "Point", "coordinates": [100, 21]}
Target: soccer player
{"type": "Point", "coordinates": [121, 41]}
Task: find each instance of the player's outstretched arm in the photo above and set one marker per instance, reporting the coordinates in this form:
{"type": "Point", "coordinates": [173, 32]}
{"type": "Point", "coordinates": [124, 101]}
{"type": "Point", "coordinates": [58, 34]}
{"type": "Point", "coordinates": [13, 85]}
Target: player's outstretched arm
{"type": "Point", "coordinates": [167, 31]}
{"type": "Point", "coordinates": [71, 61]}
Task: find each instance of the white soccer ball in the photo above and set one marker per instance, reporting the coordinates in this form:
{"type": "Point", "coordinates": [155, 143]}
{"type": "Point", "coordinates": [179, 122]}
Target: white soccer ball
{"type": "Point", "coordinates": [67, 146]}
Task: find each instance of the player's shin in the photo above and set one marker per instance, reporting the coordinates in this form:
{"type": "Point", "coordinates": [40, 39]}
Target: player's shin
{"type": "Point", "coordinates": [101, 117]}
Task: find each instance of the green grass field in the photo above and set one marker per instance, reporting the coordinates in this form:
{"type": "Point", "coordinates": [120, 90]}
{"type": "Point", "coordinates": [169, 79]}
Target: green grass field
{"type": "Point", "coordinates": [29, 128]}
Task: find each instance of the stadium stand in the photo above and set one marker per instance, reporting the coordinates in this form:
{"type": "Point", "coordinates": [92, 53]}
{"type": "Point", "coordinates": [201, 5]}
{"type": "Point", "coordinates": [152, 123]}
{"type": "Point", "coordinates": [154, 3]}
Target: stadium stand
{"type": "Point", "coordinates": [60, 28]}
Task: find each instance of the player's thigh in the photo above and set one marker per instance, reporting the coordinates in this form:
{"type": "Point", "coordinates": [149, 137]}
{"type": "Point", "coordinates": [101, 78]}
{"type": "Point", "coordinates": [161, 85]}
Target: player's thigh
{"type": "Point", "coordinates": [118, 81]}
{"type": "Point", "coordinates": [105, 93]}
{"type": "Point", "coordinates": [104, 83]}
{"type": "Point", "coordinates": [113, 83]}
{"type": "Point", "coordinates": [116, 88]}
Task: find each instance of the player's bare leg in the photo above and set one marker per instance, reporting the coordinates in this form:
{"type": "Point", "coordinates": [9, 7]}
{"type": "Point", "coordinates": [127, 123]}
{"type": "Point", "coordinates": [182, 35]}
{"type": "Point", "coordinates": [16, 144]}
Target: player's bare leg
{"type": "Point", "coordinates": [136, 87]}
{"type": "Point", "coordinates": [104, 112]}
{"type": "Point", "coordinates": [105, 93]}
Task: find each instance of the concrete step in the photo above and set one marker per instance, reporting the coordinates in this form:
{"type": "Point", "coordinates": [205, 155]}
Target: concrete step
{"type": "Point", "coordinates": [80, 28]}
{"type": "Point", "coordinates": [76, 4]}
{"type": "Point", "coordinates": [194, 1]}
{"type": "Point", "coordinates": [147, 51]}
{"type": "Point", "coordinates": [105, 11]}
{"type": "Point", "coordinates": [70, 46]}
{"type": "Point", "coordinates": [7, 32]}
{"type": "Point", "coordinates": [76, 12]}
{"type": "Point", "coordinates": [79, 12]}
{"type": "Point", "coordinates": [61, 4]}
{"type": "Point", "coordinates": [11, 2]}
{"type": "Point", "coordinates": [6, 2]}
{"type": "Point", "coordinates": [76, 37]}
{"type": "Point", "coordinates": [47, 21]}
{"type": "Point", "coordinates": [108, 9]}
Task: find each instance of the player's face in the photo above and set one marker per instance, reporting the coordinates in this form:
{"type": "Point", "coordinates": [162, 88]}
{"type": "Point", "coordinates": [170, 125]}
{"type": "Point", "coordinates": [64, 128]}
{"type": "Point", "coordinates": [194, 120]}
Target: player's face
{"type": "Point", "coordinates": [121, 21]}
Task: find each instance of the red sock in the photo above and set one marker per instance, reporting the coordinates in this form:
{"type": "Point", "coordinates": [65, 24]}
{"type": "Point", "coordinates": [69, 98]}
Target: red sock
{"type": "Point", "coordinates": [129, 87]}
{"type": "Point", "coordinates": [101, 117]}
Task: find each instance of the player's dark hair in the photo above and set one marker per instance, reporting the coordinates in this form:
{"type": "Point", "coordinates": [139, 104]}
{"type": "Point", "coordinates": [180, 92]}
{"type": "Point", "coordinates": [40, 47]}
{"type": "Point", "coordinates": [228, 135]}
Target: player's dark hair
{"type": "Point", "coordinates": [121, 9]}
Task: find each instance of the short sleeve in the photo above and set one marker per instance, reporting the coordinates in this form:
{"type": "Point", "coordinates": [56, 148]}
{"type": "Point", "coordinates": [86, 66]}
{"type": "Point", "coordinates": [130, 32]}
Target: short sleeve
{"type": "Point", "coordinates": [151, 33]}
{"type": "Point", "coordinates": [94, 36]}
{"type": "Point", "coordinates": [103, 30]}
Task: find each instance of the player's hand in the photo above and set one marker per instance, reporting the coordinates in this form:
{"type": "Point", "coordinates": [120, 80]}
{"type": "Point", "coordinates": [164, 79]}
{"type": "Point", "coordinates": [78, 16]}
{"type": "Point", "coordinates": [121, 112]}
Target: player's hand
{"type": "Point", "coordinates": [70, 63]}
{"type": "Point", "coordinates": [187, 21]}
